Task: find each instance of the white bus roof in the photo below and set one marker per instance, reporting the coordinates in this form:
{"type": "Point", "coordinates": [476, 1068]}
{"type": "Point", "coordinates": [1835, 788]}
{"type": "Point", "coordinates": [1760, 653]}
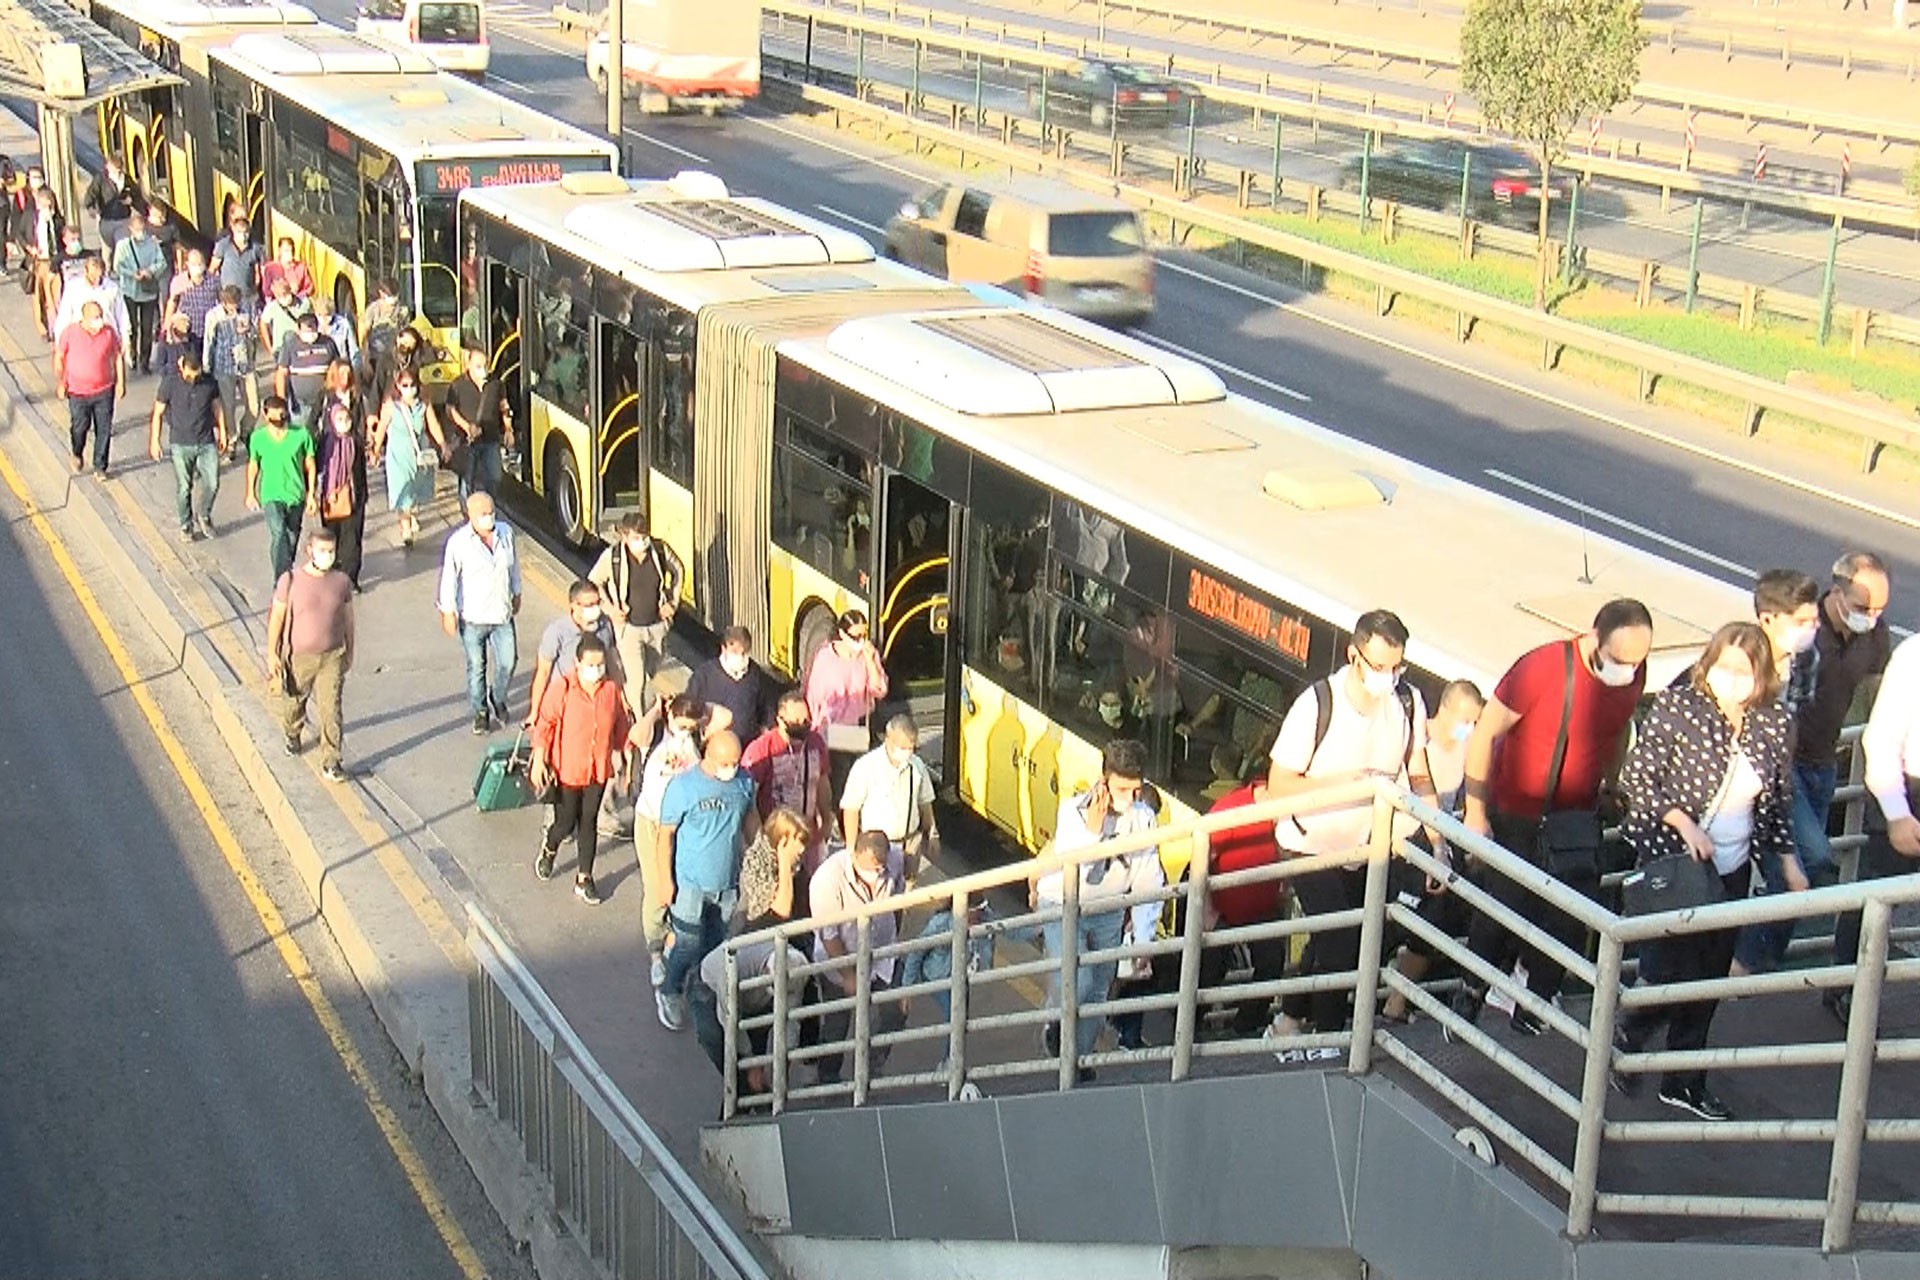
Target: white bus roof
{"type": "Point", "coordinates": [688, 242]}
{"type": "Point", "coordinates": [1315, 519]}
{"type": "Point", "coordinates": [180, 17]}
{"type": "Point", "coordinates": [326, 51]}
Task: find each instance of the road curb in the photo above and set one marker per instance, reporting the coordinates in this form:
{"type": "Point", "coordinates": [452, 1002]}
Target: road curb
{"type": "Point", "coordinates": [417, 992]}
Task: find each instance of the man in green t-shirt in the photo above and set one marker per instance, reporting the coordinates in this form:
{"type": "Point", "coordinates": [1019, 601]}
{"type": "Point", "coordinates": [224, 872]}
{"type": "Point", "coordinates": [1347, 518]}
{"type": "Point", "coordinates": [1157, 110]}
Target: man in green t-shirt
{"type": "Point", "coordinates": [280, 480]}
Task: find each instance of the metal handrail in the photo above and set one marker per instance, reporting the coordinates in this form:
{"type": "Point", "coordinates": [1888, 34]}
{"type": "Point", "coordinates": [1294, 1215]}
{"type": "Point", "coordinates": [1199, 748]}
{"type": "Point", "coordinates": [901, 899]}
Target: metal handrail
{"type": "Point", "coordinates": [1581, 1101]}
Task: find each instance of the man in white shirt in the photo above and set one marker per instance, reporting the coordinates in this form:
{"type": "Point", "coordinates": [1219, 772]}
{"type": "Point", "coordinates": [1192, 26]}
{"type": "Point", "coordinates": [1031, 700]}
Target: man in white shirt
{"type": "Point", "coordinates": [479, 598]}
{"type": "Point", "coordinates": [94, 285]}
{"type": "Point", "coordinates": [1892, 743]}
{"type": "Point", "coordinates": [1359, 723]}
{"type": "Point", "coordinates": [867, 871]}
{"type": "Point", "coordinates": [1112, 810]}
{"type": "Point", "coordinates": [889, 789]}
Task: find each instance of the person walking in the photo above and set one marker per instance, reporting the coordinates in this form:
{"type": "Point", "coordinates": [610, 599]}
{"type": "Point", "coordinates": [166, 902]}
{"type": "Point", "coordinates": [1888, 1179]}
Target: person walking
{"type": "Point", "coordinates": [1539, 753]}
{"type": "Point", "coordinates": [310, 649]}
{"type": "Point", "coordinates": [408, 442]}
{"type": "Point", "coordinates": [866, 872]}
{"type": "Point", "coordinates": [115, 200]}
{"type": "Point", "coordinates": [286, 265]}
{"type": "Point", "coordinates": [478, 409]}
{"type": "Point", "coordinates": [1891, 742]}
{"type": "Point", "coordinates": [639, 579]}
{"type": "Point", "coordinates": [90, 373]}
{"type": "Point", "coordinates": [733, 682]}
{"type": "Point", "coordinates": [189, 405]}
{"type": "Point", "coordinates": [279, 315]}
{"type": "Point", "coordinates": [1709, 777]}
{"type": "Point", "coordinates": [195, 293]}
{"type": "Point", "coordinates": [677, 751]}
{"type": "Point", "coordinates": [707, 820]}
{"type": "Point", "coordinates": [140, 269]}
{"type": "Point", "coordinates": [237, 260]}
{"type": "Point", "coordinates": [478, 600]}
{"type": "Point", "coordinates": [582, 742]}
{"type": "Point", "coordinates": [92, 285]}
{"type": "Point", "coordinates": [301, 365]}
{"type": "Point", "coordinates": [788, 765]}
{"type": "Point", "coordinates": [44, 238]}
{"type": "Point", "coordinates": [281, 480]}
{"type": "Point", "coordinates": [228, 353]}
{"type": "Point", "coordinates": [890, 790]}
{"type": "Point", "coordinates": [339, 330]}
{"type": "Point", "coordinates": [341, 461]}
{"type": "Point", "coordinates": [843, 682]}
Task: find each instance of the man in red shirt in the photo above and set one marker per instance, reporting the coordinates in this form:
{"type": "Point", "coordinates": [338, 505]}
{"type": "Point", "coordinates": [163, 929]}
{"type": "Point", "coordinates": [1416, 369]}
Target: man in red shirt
{"type": "Point", "coordinates": [1511, 760]}
{"type": "Point", "coordinates": [88, 374]}
{"type": "Point", "coordinates": [1242, 849]}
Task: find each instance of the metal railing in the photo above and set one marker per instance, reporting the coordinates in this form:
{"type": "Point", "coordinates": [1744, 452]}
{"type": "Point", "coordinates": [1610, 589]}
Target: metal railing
{"type": "Point", "coordinates": [766, 1037]}
{"type": "Point", "coordinates": [615, 1185]}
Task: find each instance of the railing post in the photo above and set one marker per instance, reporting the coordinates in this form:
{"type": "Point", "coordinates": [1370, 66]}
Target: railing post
{"type": "Point", "coordinates": [1069, 973]}
{"type": "Point", "coordinates": [730, 1028]}
{"type": "Point", "coordinates": [1186, 1018]}
{"type": "Point", "coordinates": [782, 1008]}
{"type": "Point", "coordinates": [979, 92]}
{"type": "Point", "coordinates": [1466, 195]}
{"type": "Point", "coordinates": [1826, 281]}
{"type": "Point", "coordinates": [1193, 137]}
{"type": "Point", "coordinates": [860, 63]}
{"type": "Point", "coordinates": [1693, 255]}
{"type": "Point", "coordinates": [862, 1010]}
{"type": "Point", "coordinates": [1366, 175]}
{"type": "Point", "coordinates": [959, 984]}
{"type": "Point", "coordinates": [1593, 1088]}
{"type": "Point", "coordinates": [1856, 1075]}
{"type": "Point", "coordinates": [913, 103]}
{"type": "Point", "coordinates": [1273, 201]}
{"type": "Point", "coordinates": [1373, 933]}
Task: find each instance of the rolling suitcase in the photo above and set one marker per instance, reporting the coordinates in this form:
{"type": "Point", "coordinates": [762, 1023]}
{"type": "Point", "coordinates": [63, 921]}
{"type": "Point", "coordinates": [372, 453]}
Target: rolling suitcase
{"type": "Point", "coordinates": [501, 782]}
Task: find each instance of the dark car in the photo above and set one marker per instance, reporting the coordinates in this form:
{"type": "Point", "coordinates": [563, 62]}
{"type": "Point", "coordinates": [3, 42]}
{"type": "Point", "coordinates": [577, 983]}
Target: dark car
{"type": "Point", "coordinates": [1108, 93]}
{"type": "Point", "coordinates": [1503, 184]}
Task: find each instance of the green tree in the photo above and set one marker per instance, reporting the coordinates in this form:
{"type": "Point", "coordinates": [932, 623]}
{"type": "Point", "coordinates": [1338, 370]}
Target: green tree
{"type": "Point", "coordinates": [1912, 179]}
{"type": "Point", "coordinates": [1538, 68]}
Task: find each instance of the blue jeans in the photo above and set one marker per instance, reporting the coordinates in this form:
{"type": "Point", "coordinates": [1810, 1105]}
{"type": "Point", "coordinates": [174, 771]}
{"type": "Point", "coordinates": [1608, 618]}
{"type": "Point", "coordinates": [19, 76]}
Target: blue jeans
{"type": "Point", "coordinates": [283, 533]}
{"type": "Point", "coordinates": [483, 471]}
{"type": "Point", "coordinates": [1097, 933]}
{"type": "Point", "coordinates": [1763, 946]}
{"type": "Point", "coordinates": [195, 462]}
{"type": "Point", "coordinates": [490, 658]}
{"type": "Point", "coordinates": [691, 942]}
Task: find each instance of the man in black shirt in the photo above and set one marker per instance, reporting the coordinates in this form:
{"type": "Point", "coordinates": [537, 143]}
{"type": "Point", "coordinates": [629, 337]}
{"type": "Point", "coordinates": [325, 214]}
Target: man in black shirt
{"type": "Point", "coordinates": [639, 578]}
{"type": "Point", "coordinates": [189, 403]}
{"type": "Point", "coordinates": [478, 406]}
{"type": "Point", "coordinates": [735, 681]}
{"type": "Point", "coordinates": [301, 364]}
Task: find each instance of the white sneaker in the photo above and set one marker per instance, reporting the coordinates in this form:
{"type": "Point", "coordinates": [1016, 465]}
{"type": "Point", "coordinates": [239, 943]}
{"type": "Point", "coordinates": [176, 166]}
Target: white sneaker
{"type": "Point", "coordinates": [672, 1010]}
{"type": "Point", "coordinates": [657, 972]}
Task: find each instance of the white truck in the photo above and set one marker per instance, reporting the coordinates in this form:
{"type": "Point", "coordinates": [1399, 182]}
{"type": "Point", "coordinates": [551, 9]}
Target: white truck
{"type": "Point", "coordinates": [685, 55]}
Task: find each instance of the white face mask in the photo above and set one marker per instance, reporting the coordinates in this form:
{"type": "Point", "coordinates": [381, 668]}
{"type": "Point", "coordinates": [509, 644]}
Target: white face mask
{"type": "Point", "coordinates": [1614, 675]}
{"type": "Point", "coordinates": [726, 772]}
{"type": "Point", "coordinates": [734, 664]}
{"type": "Point", "coordinates": [1860, 623]}
{"type": "Point", "coordinates": [589, 615]}
{"type": "Point", "coordinates": [483, 523]}
{"type": "Point", "coordinates": [591, 674]}
{"type": "Point", "coordinates": [1800, 639]}
{"type": "Point", "coordinates": [1461, 732]}
{"type": "Point", "coordinates": [1729, 688]}
{"type": "Point", "coordinates": [323, 560]}
{"type": "Point", "coordinates": [639, 546]}
{"type": "Point", "coordinates": [1110, 714]}
{"type": "Point", "coordinates": [1379, 683]}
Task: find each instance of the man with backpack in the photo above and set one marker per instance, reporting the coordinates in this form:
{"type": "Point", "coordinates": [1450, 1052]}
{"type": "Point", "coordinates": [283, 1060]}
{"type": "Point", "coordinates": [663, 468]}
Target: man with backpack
{"type": "Point", "coordinates": [639, 578]}
{"type": "Point", "coordinates": [1361, 722]}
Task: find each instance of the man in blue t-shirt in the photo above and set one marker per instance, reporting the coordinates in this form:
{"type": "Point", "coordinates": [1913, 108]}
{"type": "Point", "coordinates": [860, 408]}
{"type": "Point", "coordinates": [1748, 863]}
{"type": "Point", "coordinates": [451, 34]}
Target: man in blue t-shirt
{"type": "Point", "coordinates": [707, 819]}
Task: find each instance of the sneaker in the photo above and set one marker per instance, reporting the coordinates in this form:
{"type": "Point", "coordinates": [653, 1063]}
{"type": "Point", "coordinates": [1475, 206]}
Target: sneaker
{"type": "Point", "coordinates": [1050, 1039]}
{"type": "Point", "coordinates": [1465, 1004]}
{"type": "Point", "coordinates": [292, 744]}
{"type": "Point", "coordinates": [334, 773]}
{"type": "Point", "coordinates": [480, 724]}
{"type": "Point", "coordinates": [543, 865]}
{"type": "Point", "coordinates": [188, 533]}
{"type": "Point", "coordinates": [1525, 1023]}
{"type": "Point", "coordinates": [1840, 1005]}
{"type": "Point", "coordinates": [672, 1010]}
{"type": "Point", "coordinates": [587, 891]}
{"type": "Point", "coordinates": [78, 463]}
{"type": "Point", "coordinates": [1626, 1084]}
{"type": "Point", "coordinates": [206, 528]}
{"type": "Point", "coordinates": [657, 971]}
{"type": "Point", "coordinates": [1696, 1098]}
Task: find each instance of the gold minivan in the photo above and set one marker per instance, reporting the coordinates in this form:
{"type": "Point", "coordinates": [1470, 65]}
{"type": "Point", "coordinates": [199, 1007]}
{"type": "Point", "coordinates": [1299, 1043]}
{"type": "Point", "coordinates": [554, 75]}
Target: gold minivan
{"type": "Point", "coordinates": [1084, 254]}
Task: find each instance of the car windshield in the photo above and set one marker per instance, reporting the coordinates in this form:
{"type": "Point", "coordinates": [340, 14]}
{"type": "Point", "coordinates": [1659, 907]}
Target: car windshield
{"type": "Point", "coordinates": [455, 22]}
{"type": "Point", "coordinates": [1094, 235]}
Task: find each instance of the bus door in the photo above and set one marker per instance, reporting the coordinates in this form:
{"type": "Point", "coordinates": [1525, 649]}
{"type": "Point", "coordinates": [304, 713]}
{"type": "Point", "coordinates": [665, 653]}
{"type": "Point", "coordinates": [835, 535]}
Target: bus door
{"type": "Point", "coordinates": [621, 447]}
{"type": "Point", "coordinates": [257, 140]}
{"type": "Point", "coordinates": [914, 598]}
{"type": "Point", "coordinates": [505, 304]}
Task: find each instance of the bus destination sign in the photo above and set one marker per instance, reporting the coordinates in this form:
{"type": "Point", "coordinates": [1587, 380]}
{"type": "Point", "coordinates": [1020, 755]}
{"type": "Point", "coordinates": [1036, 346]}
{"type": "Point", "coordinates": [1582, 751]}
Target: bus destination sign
{"type": "Point", "coordinates": [1248, 616]}
{"type": "Point", "coordinates": [449, 177]}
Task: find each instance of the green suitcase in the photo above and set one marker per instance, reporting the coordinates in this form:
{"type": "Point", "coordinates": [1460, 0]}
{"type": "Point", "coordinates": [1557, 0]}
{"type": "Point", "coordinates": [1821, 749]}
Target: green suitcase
{"type": "Point", "coordinates": [501, 782]}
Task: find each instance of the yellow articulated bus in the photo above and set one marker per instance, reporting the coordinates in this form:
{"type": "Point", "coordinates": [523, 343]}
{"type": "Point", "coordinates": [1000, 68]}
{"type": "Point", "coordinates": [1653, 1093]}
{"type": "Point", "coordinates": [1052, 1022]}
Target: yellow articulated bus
{"type": "Point", "coordinates": [1060, 533]}
{"type": "Point", "coordinates": [355, 149]}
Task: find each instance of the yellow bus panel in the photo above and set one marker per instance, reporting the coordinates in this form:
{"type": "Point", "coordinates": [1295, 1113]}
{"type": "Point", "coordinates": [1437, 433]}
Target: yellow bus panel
{"type": "Point", "coordinates": [793, 585]}
{"type": "Point", "coordinates": [670, 516]}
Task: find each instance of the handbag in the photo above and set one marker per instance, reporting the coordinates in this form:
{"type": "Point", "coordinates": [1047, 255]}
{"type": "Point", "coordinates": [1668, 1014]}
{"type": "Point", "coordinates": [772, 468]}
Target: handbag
{"type": "Point", "coordinates": [1676, 882]}
{"type": "Point", "coordinates": [338, 505]}
{"type": "Point", "coordinates": [1568, 844]}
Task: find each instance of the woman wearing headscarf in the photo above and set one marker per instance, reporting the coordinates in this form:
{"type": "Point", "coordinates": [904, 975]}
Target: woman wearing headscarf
{"type": "Point", "coordinates": [342, 468]}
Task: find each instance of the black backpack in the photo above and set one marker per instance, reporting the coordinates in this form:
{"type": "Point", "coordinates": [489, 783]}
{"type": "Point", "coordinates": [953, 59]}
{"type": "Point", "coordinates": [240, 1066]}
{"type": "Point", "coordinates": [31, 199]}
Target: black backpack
{"type": "Point", "coordinates": [1322, 690]}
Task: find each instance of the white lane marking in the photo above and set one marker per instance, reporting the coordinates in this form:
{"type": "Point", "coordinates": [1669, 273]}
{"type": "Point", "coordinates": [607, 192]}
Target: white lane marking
{"type": "Point", "coordinates": [1558, 402]}
{"type": "Point", "coordinates": [1221, 365]}
{"type": "Point", "coordinates": [862, 223]}
{"type": "Point", "coordinates": [694, 156]}
{"type": "Point", "coordinates": [1674, 543]}
{"type": "Point", "coordinates": [837, 150]}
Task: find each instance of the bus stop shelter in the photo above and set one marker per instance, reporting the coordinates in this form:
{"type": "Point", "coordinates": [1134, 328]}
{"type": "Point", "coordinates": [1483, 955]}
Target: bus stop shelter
{"type": "Point", "coordinates": [64, 63]}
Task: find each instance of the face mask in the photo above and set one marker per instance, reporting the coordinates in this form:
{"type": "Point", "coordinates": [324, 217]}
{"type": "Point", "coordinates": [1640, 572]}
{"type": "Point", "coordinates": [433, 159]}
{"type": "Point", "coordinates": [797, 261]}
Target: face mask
{"type": "Point", "coordinates": [726, 772]}
{"type": "Point", "coordinates": [796, 728]}
{"type": "Point", "coordinates": [1461, 732]}
{"type": "Point", "coordinates": [409, 393]}
{"type": "Point", "coordinates": [1110, 714]}
{"type": "Point", "coordinates": [589, 615]}
{"type": "Point", "coordinates": [1729, 688]}
{"type": "Point", "coordinates": [323, 560]}
{"type": "Point", "coordinates": [591, 674]}
{"type": "Point", "coordinates": [734, 664]}
{"type": "Point", "coordinates": [898, 759]}
{"type": "Point", "coordinates": [639, 546]}
{"type": "Point", "coordinates": [483, 524]}
{"type": "Point", "coordinates": [1614, 675]}
{"type": "Point", "coordinates": [1379, 683]}
{"type": "Point", "coordinates": [239, 236]}
{"type": "Point", "coordinates": [1860, 623]}
{"type": "Point", "coordinates": [1800, 639]}
{"type": "Point", "coordinates": [92, 326]}
{"type": "Point", "coordinates": [869, 876]}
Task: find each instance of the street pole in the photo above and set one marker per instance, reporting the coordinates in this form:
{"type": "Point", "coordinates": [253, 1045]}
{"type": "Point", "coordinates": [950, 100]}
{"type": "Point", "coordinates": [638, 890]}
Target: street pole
{"type": "Point", "coordinates": [1274, 202]}
{"type": "Point", "coordinates": [616, 68]}
{"type": "Point", "coordinates": [1466, 193]}
{"type": "Point", "coordinates": [1193, 128]}
{"type": "Point", "coordinates": [1366, 175]}
{"type": "Point", "coordinates": [1573, 236]}
{"type": "Point", "coordinates": [1693, 255]}
{"type": "Point", "coordinates": [913, 102]}
{"type": "Point", "coordinates": [1826, 283]}
{"type": "Point", "coordinates": [979, 92]}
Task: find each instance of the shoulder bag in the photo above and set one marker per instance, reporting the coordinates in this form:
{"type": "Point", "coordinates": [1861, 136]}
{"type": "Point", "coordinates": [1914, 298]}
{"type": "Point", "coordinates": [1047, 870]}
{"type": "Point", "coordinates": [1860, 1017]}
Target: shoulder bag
{"type": "Point", "coordinates": [1679, 881]}
{"type": "Point", "coordinates": [1568, 845]}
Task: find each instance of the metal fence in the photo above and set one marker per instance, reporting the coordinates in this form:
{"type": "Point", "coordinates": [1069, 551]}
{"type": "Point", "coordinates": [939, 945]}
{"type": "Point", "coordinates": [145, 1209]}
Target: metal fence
{"type": "Point", "coordinates": [978, 1049]}
{"type": "Point", "coordinates": [630, 1204]}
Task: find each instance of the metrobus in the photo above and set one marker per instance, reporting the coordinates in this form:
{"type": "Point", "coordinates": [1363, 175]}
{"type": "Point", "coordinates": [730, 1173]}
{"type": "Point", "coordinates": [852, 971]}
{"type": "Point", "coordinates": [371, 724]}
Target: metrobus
{"type": "Point", "coordinates": [355, 149]}
{"type": "Point", "coordinates": [1060, 533]}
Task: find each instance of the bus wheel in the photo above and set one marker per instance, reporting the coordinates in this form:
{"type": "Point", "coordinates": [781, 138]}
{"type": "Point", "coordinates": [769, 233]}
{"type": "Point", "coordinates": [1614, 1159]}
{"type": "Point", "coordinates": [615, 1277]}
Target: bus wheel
{"type": "Point", "coordinates": [343, 303]}
{"type": "Point", "coordinates": [816, 627]}
{"type": "Point", "coordinates": [564, 500]}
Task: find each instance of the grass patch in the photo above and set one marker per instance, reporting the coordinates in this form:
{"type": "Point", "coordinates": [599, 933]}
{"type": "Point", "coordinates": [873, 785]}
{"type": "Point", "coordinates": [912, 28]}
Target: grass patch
{"type": "Point", "coordinates": [1415, 251]}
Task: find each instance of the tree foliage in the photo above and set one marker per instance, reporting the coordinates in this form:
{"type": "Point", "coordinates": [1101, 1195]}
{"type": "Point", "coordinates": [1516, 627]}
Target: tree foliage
{"type": "Point", "coordinates": [1539, 68]}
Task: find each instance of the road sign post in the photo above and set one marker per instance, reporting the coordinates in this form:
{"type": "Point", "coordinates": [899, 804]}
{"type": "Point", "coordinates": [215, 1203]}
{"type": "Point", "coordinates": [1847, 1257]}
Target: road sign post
{"type": "Point", "coordinates": [1826, 281]}
{"type": "Point", "coordinates": [1693, 254]}
{"type": "Point", "coordinates": [1366, 175]}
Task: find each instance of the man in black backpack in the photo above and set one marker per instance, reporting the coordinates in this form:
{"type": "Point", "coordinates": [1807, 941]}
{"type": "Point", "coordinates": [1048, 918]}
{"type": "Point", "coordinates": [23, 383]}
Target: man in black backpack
{"type": "Point", "coordinates": [1361, 722]}
{"type": "Point", "coordinates": [639, 578]}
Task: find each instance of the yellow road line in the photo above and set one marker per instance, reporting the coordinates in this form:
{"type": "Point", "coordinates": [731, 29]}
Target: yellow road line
{"type": "Point", "coordinates": [450, 1232]}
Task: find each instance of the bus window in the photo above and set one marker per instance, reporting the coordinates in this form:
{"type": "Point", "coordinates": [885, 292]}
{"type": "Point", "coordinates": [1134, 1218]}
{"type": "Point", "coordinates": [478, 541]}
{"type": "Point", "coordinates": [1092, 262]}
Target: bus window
{"type": "Point", "coordinates": [316, 182]}
{"type": "Point", "coordinates": [1009, 615]}
{"type": "Point", "coordinates": [556, 356]}
{"type": "Point", "coordinates": [823, 505]}
{"type": "Point", "coordinates": [670, 406]}
{"type": "Point", "coordinates": [439, 285]}
{"type": "Point", "coordinates": [228, 152]}
{"type": "Point", "coordinates": [1233, 705]}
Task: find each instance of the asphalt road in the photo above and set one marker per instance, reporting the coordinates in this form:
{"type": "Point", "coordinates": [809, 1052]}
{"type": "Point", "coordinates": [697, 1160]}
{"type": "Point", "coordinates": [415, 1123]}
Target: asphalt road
{"type": "Point", "coordinates": [169, 1102]}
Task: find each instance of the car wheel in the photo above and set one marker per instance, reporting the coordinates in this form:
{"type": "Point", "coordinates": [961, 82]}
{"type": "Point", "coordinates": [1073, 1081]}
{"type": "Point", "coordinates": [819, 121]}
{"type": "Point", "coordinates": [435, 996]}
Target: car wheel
{"type": "Point", "coordinates": [600, 81]}
{"type": "Point", "coordinates": [1100, 115]}
{"type": "Point", "coordinates": [565, 501]}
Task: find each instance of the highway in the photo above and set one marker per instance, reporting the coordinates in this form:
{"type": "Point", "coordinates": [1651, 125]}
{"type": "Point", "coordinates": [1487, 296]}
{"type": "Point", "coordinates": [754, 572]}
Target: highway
{"type": "Point", "coordinates": [1668, 485]}
{"type": "Point", "coordinates": [172, 1103]}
